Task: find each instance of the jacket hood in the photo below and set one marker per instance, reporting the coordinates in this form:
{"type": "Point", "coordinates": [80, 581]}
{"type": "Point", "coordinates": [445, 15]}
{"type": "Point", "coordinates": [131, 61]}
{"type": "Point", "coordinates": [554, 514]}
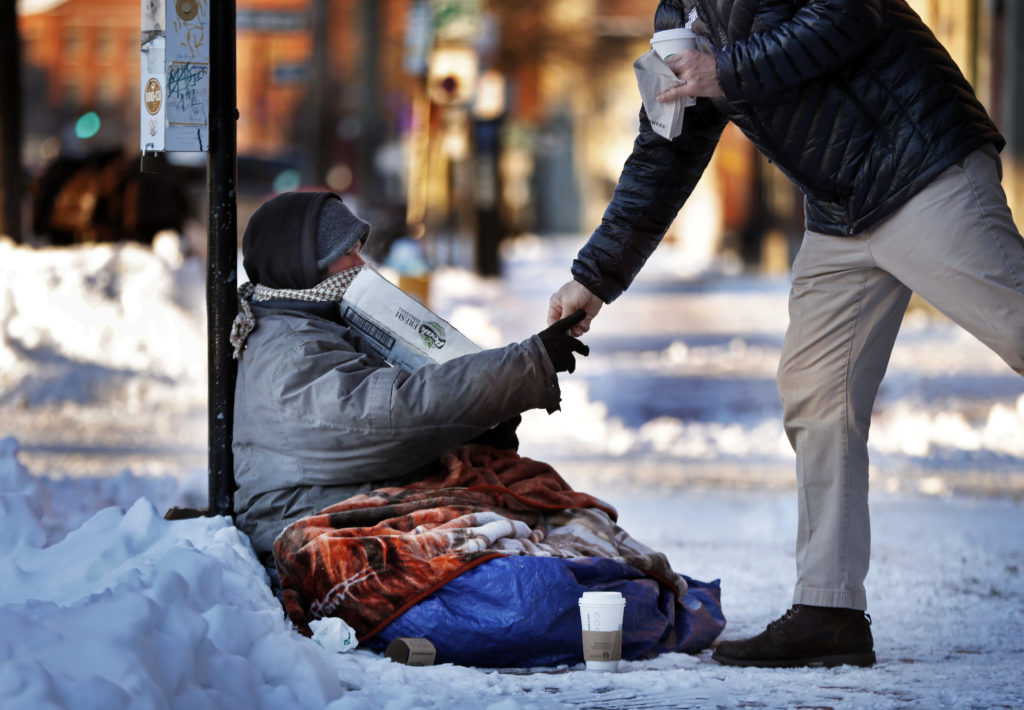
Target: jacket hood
{"type": "Point", "coordinates": [279, 245]}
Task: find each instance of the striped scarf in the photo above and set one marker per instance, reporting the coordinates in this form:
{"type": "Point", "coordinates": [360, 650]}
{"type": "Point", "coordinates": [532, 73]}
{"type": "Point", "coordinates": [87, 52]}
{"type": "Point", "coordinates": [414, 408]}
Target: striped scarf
{"type": "Point", "coordinates": [329, 290]}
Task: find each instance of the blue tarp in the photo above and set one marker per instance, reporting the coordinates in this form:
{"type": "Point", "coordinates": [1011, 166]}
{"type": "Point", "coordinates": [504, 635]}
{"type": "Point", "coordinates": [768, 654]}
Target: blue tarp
{"type": "Point", "coordinates": [522, 611]}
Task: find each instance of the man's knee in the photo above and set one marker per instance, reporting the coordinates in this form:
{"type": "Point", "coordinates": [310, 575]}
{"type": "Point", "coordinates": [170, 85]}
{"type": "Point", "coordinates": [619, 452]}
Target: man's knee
{"type": "Point", "coordinates": [788, 384]}
{"type": "Point", "coordinates": [816, 399]}
{"type": "Point", "coordinates": [1018, 362]}
{"type": "Point", "coordinates": [803, 396]}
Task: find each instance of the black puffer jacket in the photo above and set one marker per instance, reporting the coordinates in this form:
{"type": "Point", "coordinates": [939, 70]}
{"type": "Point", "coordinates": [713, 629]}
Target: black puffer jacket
{"type": "Point", "coordinates": [854, 100]}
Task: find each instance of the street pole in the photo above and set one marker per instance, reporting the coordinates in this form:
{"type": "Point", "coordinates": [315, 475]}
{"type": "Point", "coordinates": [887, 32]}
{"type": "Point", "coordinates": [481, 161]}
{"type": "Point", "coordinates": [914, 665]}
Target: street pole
{"type": "Point", "coordinates": [369, 102]}
{"type": "Point", "coordinates": [222, 254]}
{"type": "Point", "coordinates": [322, 112]}
{"type": "Point", "coordinates": [1013, 114]}
{"type": "Point", "coordinates": [487, 196]}
{"type": "Point", "coordinates": [10, 123]}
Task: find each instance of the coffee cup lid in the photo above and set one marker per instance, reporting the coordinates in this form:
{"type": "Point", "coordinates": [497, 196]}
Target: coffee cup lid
{"type": "Point", "coordinates": [603, 598]}
{"type": "Point", "coordinates": [675, 33]}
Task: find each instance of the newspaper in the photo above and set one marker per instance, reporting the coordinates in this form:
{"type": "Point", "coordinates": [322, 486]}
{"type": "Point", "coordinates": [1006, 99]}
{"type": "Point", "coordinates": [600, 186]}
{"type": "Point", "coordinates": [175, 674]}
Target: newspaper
{"type": "Point", "coordinates": [653, 76]}
{"type": "Point", "coordinates": [398, 327]}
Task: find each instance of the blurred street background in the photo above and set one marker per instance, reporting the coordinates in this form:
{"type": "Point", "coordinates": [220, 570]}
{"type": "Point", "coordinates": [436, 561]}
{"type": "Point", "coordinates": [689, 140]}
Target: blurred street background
{"type": "Point", "coordinates": [478, 137]}
{"type": "Point", "coordinates": [451, 123]}
{"type": "Point", "coordinates": [482, 139]}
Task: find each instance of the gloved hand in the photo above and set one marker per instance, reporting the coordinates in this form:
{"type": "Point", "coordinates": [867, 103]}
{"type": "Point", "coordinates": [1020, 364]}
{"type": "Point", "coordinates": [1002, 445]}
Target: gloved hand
{"type": "Point", "coordinates": [560, 345]}
{"type": "Point", "coordinates": [501, 436]}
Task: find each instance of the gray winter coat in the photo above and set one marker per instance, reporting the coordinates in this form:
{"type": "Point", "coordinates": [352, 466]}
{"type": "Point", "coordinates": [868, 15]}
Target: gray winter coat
{"type": "Point", "coordinates": [317, 421]}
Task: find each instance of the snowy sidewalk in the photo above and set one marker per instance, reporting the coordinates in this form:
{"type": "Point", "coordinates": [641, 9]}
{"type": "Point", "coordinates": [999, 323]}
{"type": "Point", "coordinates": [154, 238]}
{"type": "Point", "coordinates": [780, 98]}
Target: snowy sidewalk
{"type": "Point", "coordinates": [674, 419]}
{"type": "Point", "coordinates": [131, 611]}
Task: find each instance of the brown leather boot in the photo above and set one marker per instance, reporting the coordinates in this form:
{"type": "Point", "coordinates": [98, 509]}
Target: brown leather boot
{"type": "Point", "coordinates": [805, 636]}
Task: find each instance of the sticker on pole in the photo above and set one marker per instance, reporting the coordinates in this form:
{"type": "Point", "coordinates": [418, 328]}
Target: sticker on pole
{"type": "Point", "coordinates": [154, 96]}
{"type": "Point", "coordinates": [186, 9]}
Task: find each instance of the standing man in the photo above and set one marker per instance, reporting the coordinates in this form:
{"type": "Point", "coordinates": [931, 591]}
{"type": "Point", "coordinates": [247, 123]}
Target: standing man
{"type": "Point", "coordinates": [862, 108]}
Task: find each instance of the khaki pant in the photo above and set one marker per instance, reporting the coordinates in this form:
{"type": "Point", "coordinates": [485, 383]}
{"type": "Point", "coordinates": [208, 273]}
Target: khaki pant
{"type": "Point", "coordinates": [956, 246]}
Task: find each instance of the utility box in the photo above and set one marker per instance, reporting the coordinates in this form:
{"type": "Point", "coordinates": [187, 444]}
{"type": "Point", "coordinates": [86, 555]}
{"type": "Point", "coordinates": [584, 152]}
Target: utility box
{"type": "Point", "coordinates": [175, 76]}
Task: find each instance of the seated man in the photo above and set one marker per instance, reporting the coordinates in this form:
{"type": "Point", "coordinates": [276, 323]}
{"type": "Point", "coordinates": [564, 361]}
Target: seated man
{"type": "Point", "coordinates": [320, 418]}
{"type": "Point", "coordinates": [379, 493]}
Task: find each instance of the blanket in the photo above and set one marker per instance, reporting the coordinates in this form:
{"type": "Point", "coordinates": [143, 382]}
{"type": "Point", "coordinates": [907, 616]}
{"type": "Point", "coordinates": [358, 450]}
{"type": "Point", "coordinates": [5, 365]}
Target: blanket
{"type": "Point", "coordinates": [371, 558]}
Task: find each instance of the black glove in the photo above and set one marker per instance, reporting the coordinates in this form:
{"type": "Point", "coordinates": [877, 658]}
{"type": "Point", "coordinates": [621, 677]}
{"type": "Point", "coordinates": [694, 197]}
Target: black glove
{"type": "Point", "coordinates": [501, 436]}
{"type": "Point", "coordinates": [560, 345]}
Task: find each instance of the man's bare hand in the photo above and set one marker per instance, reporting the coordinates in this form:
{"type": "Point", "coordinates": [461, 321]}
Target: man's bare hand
{"type": "Point", "coordinates": [570, 297]}
{"type": "Point", "coordinates": [698, 74]}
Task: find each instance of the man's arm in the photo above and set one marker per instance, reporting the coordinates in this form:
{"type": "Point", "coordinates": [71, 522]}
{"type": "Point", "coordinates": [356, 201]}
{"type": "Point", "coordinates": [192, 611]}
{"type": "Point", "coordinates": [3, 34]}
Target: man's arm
{"type": "Point", "coordinates": [656, 180]}
{"type": "Point", "coordinates": [378, 422]}
{"type": "Point", "coordinates": [821, 37]}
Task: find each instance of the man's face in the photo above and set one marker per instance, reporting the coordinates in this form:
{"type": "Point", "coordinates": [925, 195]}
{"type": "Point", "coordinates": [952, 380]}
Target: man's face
{"type": "Point", "coordinates": [346, 261]}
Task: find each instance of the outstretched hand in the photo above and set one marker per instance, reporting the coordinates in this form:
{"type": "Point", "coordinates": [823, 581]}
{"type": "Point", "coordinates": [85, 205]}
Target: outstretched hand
{"type": "Point", "coordinates": [560, 345]}
{"type": "Point", "coordinates": [572, 296]}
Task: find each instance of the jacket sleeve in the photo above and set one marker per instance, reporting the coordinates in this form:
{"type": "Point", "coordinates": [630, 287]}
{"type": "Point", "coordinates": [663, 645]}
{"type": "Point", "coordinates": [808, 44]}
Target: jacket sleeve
{"type": "Point", "coordinates": [378, 422]}
{"type": "Point", "coordinates": [457, 400]}
{"type": "Point", "coordinates": [655, 181]}
{"type": "Point", "coordinates": [821, 37]}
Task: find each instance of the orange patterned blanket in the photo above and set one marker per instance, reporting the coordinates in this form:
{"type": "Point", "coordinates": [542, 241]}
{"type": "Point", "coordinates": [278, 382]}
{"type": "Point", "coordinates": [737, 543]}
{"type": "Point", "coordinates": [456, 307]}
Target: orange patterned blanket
{"type": "Point", "coordinates": [373, 556]}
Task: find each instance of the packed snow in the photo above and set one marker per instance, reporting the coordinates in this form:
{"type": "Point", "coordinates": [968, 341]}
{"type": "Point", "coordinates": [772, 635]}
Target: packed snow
{"type": "Point", "coordinates": [674, 418]}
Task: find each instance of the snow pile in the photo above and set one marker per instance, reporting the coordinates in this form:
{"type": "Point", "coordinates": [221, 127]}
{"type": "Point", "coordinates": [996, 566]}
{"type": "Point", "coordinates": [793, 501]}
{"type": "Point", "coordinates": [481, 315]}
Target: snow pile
{"type": "Point", "coordinates": [98, 321]}
{"type": "Point", "coordinates": [129, 610]}
{"type": "Point", "coordinates": [915, 432]}
{"type": "Point", "coordinates": [58, 505]}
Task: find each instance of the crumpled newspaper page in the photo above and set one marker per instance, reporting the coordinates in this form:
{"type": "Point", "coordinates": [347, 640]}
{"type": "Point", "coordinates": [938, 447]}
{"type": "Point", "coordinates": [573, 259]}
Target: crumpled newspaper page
{"type": "Point", "coordinates": [654, 76]}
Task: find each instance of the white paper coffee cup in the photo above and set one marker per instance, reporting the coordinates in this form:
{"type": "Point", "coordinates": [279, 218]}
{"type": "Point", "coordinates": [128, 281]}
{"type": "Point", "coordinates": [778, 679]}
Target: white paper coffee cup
{"type": "Point", "coordinates": [601, 619]}
{"type": "Point", "coordinates": [669, 42]}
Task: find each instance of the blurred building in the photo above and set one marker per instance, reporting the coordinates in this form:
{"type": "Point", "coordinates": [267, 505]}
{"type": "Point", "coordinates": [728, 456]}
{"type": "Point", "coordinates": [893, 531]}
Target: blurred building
{"type": "Point", "coordinates": [78, 57]}
{"type": "Point", "coordinates": [351, 94]}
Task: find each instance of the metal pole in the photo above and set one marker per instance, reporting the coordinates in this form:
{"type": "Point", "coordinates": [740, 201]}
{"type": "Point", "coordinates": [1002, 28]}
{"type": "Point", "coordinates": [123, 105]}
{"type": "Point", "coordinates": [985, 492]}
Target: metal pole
{"type": "Point", "coordinates": [322, 108]}
{"type": "Point", "coordinates": [222, 254]}
{"type": "Point", "coordinates": [10, 124]}
{"type": "Point", "coordinates": [1008, 19]}
{"type": "Point", "coordinates": [367, 185]}
{"type": "Point", "coordinates": [487, 196]}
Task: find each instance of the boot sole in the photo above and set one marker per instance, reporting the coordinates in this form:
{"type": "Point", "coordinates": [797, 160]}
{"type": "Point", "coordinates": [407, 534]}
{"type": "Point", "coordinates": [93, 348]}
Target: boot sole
{"type": "Point", "coordinates": [863, 660]}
